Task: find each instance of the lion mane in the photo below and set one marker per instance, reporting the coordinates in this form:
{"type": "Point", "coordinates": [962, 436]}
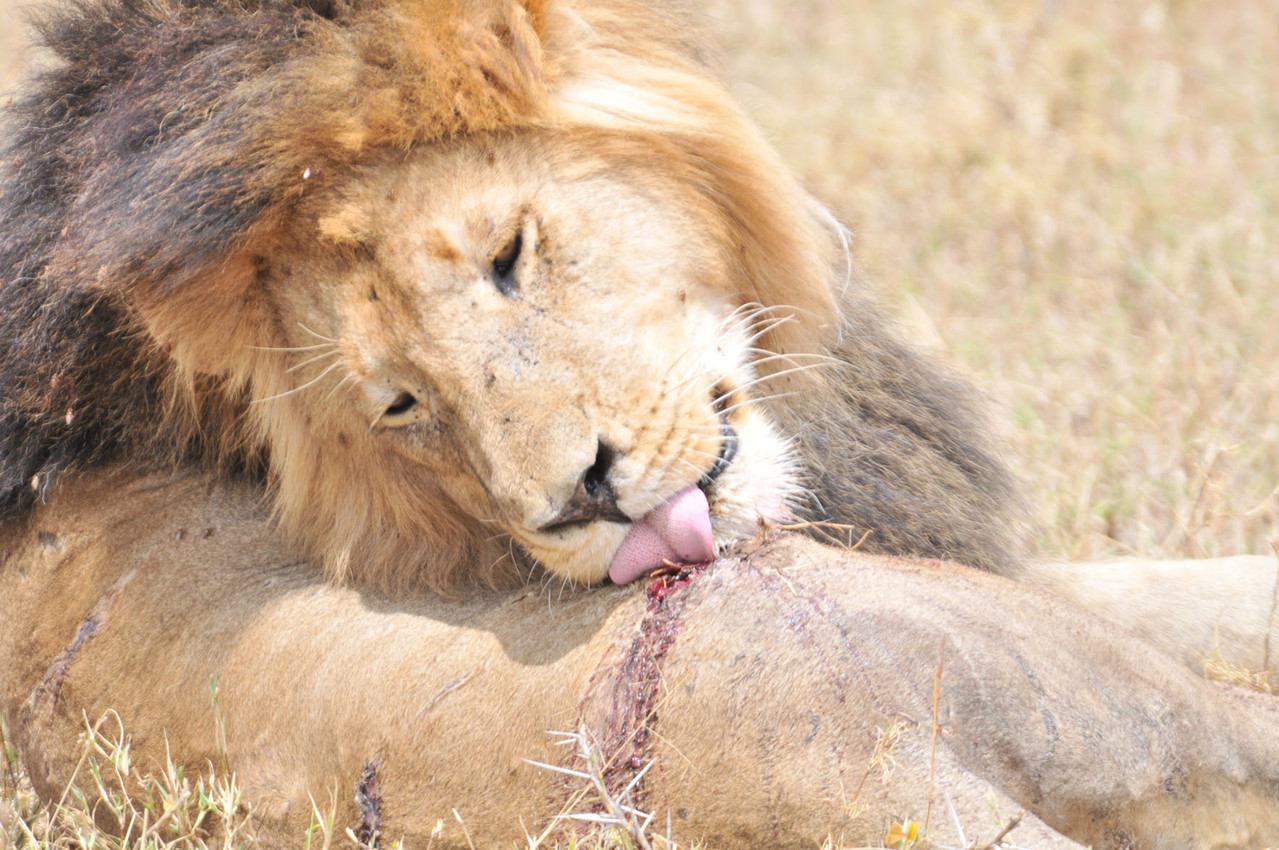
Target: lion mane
{"type": "Point", "coordinates": [157, 170]}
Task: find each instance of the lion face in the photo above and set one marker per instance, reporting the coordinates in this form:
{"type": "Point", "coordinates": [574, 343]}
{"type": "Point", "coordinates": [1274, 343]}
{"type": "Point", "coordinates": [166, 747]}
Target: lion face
{"type": "Point", "coordinates": [528, 340]}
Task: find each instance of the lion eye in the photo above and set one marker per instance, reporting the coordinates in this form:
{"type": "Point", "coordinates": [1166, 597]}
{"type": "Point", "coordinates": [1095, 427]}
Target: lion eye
{"type": "Point", "coordinates": [504, 265]}
{"type": "Point", "coordinates": [404, 402]}
{"type": "Point", "coordinates": [401, 411]}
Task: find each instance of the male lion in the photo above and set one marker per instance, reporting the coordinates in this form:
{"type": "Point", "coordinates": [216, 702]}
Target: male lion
{"type": "Point", "coordinates": [469, 286]}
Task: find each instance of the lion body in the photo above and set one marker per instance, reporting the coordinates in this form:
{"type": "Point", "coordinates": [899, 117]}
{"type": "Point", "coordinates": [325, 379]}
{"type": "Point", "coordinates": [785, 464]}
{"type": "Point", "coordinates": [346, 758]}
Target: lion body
{"type": "Point", "coordinates": [265, 239]}
{"type": "Point", "coordinates": [785, 696]}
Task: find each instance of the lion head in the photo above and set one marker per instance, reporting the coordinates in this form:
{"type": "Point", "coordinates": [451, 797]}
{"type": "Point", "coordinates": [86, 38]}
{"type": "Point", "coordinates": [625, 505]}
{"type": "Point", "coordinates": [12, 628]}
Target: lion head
{"type": "Point", "coordinates": [474, 286]}
{"type": "Point", "coordinates": [526, 339]}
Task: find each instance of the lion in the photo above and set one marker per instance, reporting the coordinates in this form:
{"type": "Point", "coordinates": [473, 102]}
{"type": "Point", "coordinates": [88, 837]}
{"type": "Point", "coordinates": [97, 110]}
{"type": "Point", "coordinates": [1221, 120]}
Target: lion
{"type": "Point", "coordinates": [469, 289]}
{"type": "Point", "coordinates": [434, 294]}
{"type": "Point", "coordinates": [788, 696]}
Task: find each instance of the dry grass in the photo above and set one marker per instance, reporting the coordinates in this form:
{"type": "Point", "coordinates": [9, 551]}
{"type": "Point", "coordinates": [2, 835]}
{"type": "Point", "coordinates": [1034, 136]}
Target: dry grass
{"type": "Point", "coordinates": [112, 804]}
{"type": "Point", "coordinates": [1083, 200]}
{"type": "Point", "coordinates": [1080, 204]}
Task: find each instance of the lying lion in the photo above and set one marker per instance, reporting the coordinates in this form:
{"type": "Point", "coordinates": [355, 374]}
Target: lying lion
{"type": "Point", "coordinates": [487, 292]}
{"type": "Point", "coordinates": [783, 696]}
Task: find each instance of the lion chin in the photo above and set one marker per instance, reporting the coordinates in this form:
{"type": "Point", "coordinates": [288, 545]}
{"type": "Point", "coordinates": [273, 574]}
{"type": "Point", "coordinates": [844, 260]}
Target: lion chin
{"type": "Point", "coordinates": [470, 289]}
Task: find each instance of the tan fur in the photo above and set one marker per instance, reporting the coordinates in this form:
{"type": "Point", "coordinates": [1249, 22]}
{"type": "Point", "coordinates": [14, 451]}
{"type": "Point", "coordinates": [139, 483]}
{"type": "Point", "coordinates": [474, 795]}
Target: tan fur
{"type": "Point", "coordinates": [507, 419]}
{"type": "Point", "coordinates": [787, 664]}
{"type": "Point", "coordinates": [1225, 609]}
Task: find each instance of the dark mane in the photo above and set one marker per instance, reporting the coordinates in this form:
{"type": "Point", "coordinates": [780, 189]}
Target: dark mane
{"type": "Point", "coordinates": [165, 133]}
{"type": "Point", "coordinates": [96, 192]}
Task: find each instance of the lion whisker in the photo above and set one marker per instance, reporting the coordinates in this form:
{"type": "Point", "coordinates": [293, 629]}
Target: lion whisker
{"type": "Point", "coordinates": [566, 583]}
{"type": "Point", "coordinates": [842, 235]}
{"type": "Point", "coordinates": [314, 359]}
{"type": "Point", "coordinates": [704, 431]}
{"type": "Point", "coordinates": [825, 363]}
{"type": "Point", "coordinates": [758, 400]}
{"type": "Point", "coordinates": [735, 322]}
{"type": "Point", "coordinates": [309, 383]}
{"type": "Point", "coordinates": [759, 379]}
{"type": "Point", "coordinates": [523, 568]}
{"type": "Point", "coordinates": [767, 327]}
{"type": "Point", "coordinates": [318, 335]}
{"type": "Point", "coordinates": [740, 319]}
{"type": "Point", "coordinates": [543, 584]}
{"type": "Point", "coordinates": [759, 308]}
{"type": "Point", "coordinates": [770, 316]}
{"type": "Point", "coordinates": [293, 347]}
{"type": "Point", "coordinates": [694, 467]}
{"type": "Point", "coordinates": [693, 374]}
{"type": "Point", "coordinates": [753, 310]}
{"type": "Point", "coordinates": [492, 568]}
{"type": "Point", "coordinates": [769, 356]}
{"type": "Point", "coordinates": [348, 378]}
{"type": "Point", "coordinates": [757, 321]}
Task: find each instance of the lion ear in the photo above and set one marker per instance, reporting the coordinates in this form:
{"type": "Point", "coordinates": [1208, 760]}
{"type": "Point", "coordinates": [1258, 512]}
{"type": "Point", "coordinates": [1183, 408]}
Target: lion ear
{"type": "Point", "coordinates": [212, 325]}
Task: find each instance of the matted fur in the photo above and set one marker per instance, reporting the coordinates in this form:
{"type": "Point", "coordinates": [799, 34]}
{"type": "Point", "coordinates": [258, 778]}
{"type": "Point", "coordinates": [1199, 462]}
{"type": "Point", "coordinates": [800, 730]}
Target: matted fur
{"type": "Point", "coordinates": [167, 178]}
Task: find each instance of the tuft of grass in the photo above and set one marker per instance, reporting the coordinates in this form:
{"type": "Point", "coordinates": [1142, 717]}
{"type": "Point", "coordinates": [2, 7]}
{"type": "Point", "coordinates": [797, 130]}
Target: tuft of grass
{"type": "Point", "coordinates": [1219, 669]}
{"type": "Point", "coordinates": [110, 803]}
{"type": "Point", "coordinates": [615, 822]}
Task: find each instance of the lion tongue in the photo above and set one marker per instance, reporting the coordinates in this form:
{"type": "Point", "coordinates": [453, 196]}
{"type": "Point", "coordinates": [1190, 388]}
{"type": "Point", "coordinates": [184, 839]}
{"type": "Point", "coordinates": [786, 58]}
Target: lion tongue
{"type": "Point", "coordinates": [678, 530]}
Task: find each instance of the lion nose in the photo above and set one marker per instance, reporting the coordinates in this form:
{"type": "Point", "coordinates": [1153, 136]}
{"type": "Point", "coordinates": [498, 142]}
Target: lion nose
{"type": "Point", "coordinates": [727, 451]}
{"type": "Point", "coordinates": [593, 499]}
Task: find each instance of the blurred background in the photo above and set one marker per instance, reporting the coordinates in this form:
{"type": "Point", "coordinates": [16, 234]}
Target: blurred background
{"type": "Point", "coordinates": [1076, 203]}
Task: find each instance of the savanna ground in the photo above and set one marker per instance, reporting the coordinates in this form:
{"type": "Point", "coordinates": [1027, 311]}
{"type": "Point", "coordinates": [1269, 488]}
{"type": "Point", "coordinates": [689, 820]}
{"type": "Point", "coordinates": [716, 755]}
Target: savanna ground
{"type": "Point", "coordinates": [1076, 203]}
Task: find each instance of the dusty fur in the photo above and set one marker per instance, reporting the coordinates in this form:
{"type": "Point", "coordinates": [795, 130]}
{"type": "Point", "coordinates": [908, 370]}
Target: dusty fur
{"type": "Point", "coordinates": [242, 233]}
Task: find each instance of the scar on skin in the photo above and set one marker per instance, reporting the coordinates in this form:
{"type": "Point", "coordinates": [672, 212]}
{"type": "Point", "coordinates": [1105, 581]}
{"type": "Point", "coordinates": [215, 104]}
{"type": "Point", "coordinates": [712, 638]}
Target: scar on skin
{"type": "Point", "coordinates": [637, 681]}
{"type": "Point", "coordinates": [369, 797]}
{"type": "Point", "coordinates": [92, 625]}
{"type": "Point", "coordinates": [51, 685]}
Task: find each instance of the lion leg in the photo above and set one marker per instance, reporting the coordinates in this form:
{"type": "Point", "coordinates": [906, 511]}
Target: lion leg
{"type": "Point", "coordinates": [1213, 608]}
{"type": "Point", "coordinates": [781, 697]}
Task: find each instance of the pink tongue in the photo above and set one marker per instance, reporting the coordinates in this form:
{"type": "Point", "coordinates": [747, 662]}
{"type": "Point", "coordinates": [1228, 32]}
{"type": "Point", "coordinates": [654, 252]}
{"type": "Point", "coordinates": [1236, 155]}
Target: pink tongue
{"type": "Point", "coordinates": [678, 530]}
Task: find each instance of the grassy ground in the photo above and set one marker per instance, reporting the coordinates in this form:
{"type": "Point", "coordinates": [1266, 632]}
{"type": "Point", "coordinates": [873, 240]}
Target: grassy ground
{"type": "Point", "coordinates": [1080, 202]}
{"type": "Point", "coordinates": [1076, 202]}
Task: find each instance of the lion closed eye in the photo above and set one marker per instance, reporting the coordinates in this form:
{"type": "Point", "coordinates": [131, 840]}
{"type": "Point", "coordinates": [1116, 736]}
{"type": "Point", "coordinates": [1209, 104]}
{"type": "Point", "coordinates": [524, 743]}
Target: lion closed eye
{"type": "Point", "coordinates": [472, 289]}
